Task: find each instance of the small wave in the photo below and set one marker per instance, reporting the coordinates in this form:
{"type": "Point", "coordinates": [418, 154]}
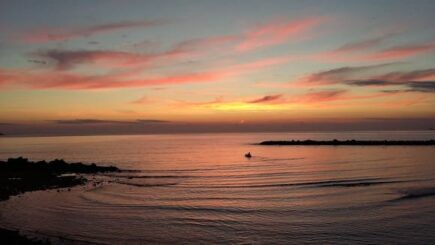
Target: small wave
{"type": "Point", "coordinates": [144, 185]}
{"type": "Point", "coordinates": [355, 183]}
{"type": "Point", "coordinates": [172, 170]}
{"type": "Point", "coordinates": [210, 209]}
{"type": "Point", "coordinates": [267, 159]}
{"type": "Point", "coordinates": [149, 176]}
{"type": "Point", "coordinates": [328, 183]}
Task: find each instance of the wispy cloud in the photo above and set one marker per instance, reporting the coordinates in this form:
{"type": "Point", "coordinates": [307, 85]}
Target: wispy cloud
{"type": "Point", "coordinates": [266, 99]}
{"type": "Point", "coordinates": [13, 78]}
{"type": "Point", "coordinates": [368, 50]}
{"type": "Point", "coordinates": [422, 86]}
{"type": "Point", "coordinates": [338, 74]}
{"type": "Point", "coordinates": [61, 34]}
{"type": "Point", "coordinates": [425, 74]}
{"type": "Point", "coordinates": [413, 81]}
{"type": "Point", "coordinates": [206, 43]}
{"type": "Point", "coordinates": [67, 59]}
{"type": "Point", "coordinates": [361, 45]}
{"type": "Point", "coordinates": [282, 102]}
{"type": "Point", "coordinates": [141, 100]}
{"type": "Point", "coordinates": [398, 52]}
{"type": "Point", "coordinates": [411, 86]}
{"type": "Point", "coordinates": [277, 32]}
{"type": "Point", "coordinates": [318, 96]}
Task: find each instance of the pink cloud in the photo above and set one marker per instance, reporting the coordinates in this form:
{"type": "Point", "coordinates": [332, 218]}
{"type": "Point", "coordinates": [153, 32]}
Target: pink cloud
{"type": "Point", "coordinates": [277, 32]}
{"type": "Point", "coordinates": [60, 34]}
{"type": "Point", "coordinates": [273, 33]}
{"type": "Point", "coordinates": [359, 52]}
{"type": "Point", "coordinates": [399, 52]}
{"type": "Point", "coordinates": [266, 35]}
{"type": "Point", "coordinates": [67, 59]}
{"type": "Point", "coordinates": [59, 79]}
{"type": "Point", "coordinates": [108, 82]}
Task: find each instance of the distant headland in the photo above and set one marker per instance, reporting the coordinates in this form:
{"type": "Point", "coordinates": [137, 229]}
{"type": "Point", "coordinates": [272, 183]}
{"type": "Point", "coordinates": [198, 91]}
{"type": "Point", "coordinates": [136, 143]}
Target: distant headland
{"type": "Point", "coordinates": [350, 142]}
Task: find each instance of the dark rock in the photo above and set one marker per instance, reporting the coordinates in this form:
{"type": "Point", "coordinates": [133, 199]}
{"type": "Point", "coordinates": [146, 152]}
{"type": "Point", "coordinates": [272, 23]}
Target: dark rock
{"type": "Point", "coordinates": [19, 175]}
{"type": "Point", "coordinates": [352, 142]}
{"type": "Point", "coordinates": [14, 237]}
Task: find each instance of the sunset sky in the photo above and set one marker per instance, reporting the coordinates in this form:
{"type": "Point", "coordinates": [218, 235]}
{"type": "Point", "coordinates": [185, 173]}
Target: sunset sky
{"type": "Point", "coordinates": [72, 67]}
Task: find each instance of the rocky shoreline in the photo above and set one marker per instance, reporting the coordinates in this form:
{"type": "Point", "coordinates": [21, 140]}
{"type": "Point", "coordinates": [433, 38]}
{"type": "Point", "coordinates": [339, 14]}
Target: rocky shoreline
{"type": "Point", "coordinates": [19, 175]}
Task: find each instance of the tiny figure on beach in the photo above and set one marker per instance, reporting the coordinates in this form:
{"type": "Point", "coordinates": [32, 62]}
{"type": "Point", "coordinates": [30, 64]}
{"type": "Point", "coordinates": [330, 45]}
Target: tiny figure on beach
{"type": "Point", "coordinates": [248, 155]}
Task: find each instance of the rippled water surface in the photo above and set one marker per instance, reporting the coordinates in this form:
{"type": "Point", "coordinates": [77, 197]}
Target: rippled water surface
{"type": "Point", "coordinates": [201, 189]}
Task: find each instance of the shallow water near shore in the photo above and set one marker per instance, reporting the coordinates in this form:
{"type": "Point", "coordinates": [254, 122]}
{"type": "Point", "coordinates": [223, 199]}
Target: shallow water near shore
{"type": "Point", "coordinates": [200, 189]}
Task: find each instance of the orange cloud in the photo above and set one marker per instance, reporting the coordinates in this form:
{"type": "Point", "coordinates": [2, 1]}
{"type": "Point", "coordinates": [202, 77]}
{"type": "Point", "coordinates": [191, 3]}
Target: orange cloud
{"type": "Point", "coordinates": [316, 97]}
{"type": "Point", "coordinates": [60, 34]}
{"type": "Point", "coordinates": [307, 98]}
{"type": "Point", "coordinates": [271, 103]}
{"type": "Point", "coordinates": [281, 102]}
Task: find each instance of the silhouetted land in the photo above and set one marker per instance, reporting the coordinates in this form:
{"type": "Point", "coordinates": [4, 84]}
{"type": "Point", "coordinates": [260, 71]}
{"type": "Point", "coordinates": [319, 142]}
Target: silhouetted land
{"type": "Point", "coordinates": [350, 142]}
{"type": "Point", "coordinates": [14, 237]}
{"type": "Point", "coordinates": [19, 175]}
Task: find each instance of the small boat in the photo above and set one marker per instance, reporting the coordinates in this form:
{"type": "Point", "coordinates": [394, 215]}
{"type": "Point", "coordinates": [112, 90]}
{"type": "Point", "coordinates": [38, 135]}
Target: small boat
{"type": "Point", "coordinates": [248, 155]}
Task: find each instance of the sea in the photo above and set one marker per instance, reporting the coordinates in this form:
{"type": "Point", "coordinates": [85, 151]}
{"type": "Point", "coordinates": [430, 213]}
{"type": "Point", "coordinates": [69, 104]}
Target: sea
{"type": "Point", "coordinates": [200, 189]}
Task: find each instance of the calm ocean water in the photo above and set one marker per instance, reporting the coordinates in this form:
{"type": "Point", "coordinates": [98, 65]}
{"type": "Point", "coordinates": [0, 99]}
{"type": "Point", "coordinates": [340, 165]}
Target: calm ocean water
{"type": "Point", "coordinates": [200, 189]}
